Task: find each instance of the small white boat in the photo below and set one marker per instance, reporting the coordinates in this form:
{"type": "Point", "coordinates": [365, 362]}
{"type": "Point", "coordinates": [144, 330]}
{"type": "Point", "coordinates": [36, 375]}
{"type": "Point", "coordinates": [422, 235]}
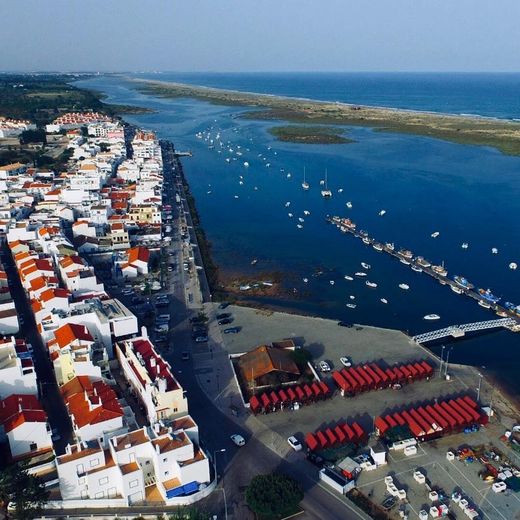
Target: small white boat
{"type": "Point", "coordinates": [246, 164]}
{"type": "Point", "coordinates": [435, 234]}
{"type": "Point", "coordinates": [287, 204]}
{"type": "Point", "coordinates": [456, 289]}
{"type": "Point", "coordinates": [513, 266]}
{"type": "Point", "coordinates": [241, 183]}
{"type": "Point", "coordinates": [228, 159]}
{"type": "Point", "coordinates": [405, 261]}
{"type": "Point", "coordinates": [383, 300]}
{"type": "Point", "coordinates": [299, 226]}
{"type": "Point", "coordinates": [382, 212]}
{"type": "Point", "coordinates": [377, 246]}
{"type": "Point", "coordinates": [236, 196]}
{"type": "Point", "coordinates": [352, 297]}
{"type": "Point", "coordinates": [494, 250]}
{"type": "Point", "coordinates": [365, 265]}
{"type": "Point", "coordinates": [373, 285]}
{"type": "Point", "coordinates": [305, 280]}
{"type": "Point", "coordinates": [306, 212]}
{"type": "Point", "coordinates": [351, 305]}
{"type": "Point", "coordinates": [360, 273]}
{"type": "Point", "coordinates": [366, 241]}
{"type": "Point", "coordinates": [349, 278]}
{"type": "Point", "coordinates": [305, 184]}
{"type": "Point", "coordinates": [464, 245]}
{"type": "Point", "coordinates": [255, 188]}
{"type": "Point", "coordinates": [209, 192]}
{"type": "Point", "coordinates": [482, 303]}
{"type": "Point", "coordinates": [431, 317]}
{"type": "Point", "coordinates": [349, 205]}
{"type": "Point", "coordinates": [404, 286]}
{"type": "Point", "coordinates": [322, 182]}
{"type": "Point", "coordinates": [288, 175]}
{"type": "Point", "coordinates": [254, 261]}
{"type": "Point", "coordinates": [340, 190]}
{"type": "Point", "coordinates": [332, 282]}
{"type": "Point", "coordinates": [416, 268]}
{"type": "Point", "coordinates": [301, 219]}
{"type": "Point", "coordinates": [290, 215]}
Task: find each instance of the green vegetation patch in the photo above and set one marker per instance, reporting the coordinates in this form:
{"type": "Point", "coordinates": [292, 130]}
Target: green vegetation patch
{"type": "Point", "coordinates": [309, 134]}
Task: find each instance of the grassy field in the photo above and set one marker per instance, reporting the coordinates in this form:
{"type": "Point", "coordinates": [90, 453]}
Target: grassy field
{"type": "Point", "coordinates": [501, 134]}
{"type": "Point", "coordinates": [309, 134]}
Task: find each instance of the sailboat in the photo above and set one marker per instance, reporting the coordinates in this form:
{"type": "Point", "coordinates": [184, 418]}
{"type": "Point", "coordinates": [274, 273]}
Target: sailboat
{"type": "Point", "coordinates": [305, 184]}
{"type": "Point", "coordinates": [326, 193]}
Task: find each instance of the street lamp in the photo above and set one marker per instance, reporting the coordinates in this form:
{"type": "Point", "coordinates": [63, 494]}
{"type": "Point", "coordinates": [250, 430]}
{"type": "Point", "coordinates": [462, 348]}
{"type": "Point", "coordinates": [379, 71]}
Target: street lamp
{"type": "Point", "coordinates": [479, 386]}
{"type": "Point", "coordinates": [216, 476]}
{"type": "Point", "coordinates": [447, 361]}
{"type": "Point", "coordinates": [442, 356]}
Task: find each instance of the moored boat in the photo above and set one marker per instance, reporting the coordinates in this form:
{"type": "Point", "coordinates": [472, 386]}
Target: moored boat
{"type": "Point", "coordinates": [431, 317]}
{"type": "Point", "coordinates": [455, 289]}
{"type": "Point", "coordinates": [422, 262]}
{"type": "Point", "coordinates": [404, 286]}
{"type": "Point", "coordinates": [439, 269]}
{"type": "Point", "coordinates": [373, 285]}
{"type": "Point", "coordinates": [463, 282]}
{"type": "Point", "coordinates": [416, 268]}
{"type": "Point", "coordinates": [377, 246]}
{"type": "Point", "coordinates": [364, 265]}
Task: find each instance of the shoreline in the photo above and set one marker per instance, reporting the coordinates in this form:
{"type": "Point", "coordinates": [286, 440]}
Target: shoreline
{"type": "Point", "coordinates": [504, 135]}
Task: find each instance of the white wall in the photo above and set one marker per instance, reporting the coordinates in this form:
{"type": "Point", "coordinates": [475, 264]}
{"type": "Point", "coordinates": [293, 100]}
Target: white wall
{"type": "Point", "coordinates": [21, 438]}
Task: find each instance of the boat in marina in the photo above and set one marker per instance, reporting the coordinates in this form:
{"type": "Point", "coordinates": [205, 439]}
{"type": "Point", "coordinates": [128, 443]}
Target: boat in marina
{"type": "Point", "coordinates": [464, 245]}
{"type": "Point", "coordinates": [484, 304]}
{"type": "Point", "coordinates": [246, 164]}
{"type": "Point", "coordinates": [383, 300]}
{"type": "Point", "coordinates": [431, 317]}
{"type": "Point", "coordinates": [351, 305]}
{"type": "Point", "coordinates": [299, 226]}
{"type": "Point", "coordinates": [390, 246]}
{"type": "Point", "coordinates": [382, 212]}
{"type": "Point", "coordinates": [290, 215]}
{"type": "Point", "coordinates": [377, 246]}
{"type": "Point", "coordinates": [435, 234]}
{"type": "Point", "coordinates": [349, 205]}
{"type": "Point", "coordinates": [494, 250]}
{"type": "Point", "coordinates": [287, 204]}
{"type": "Point", "coordinates": [306, 212]}
{"type": "Point", "coordinates": [365, 265]}
{"type": "Point", "coordinates": [373, 285]}
{"type": "Point", "coordinates": [439, 269]}
{"type": "Point", "coordinates": [406, 253]}
{"type": "Point", "coordinates": [360, 273]}
{"type": "Point", "coordinates": [488, 296]}
{"type": "Point", "coordinates": [332, 282]}
{"type": "Point", "coordinates": [502, 314]}
{"type": "Point", "coordinates": [416, 268]}
{"type": "Point", "coordinates": [405, 261]}
{"type": "Point", "coordinates": [352, 297]}
{"type": "Point", "coordinates": [422, 262]}
{"type": "Point", "coordinates": [326, 193]}
{"type": "Point", "coordinates": [455, 289]}
{"type": "Point", "coordinates": [301, 219]}
{"type": "Point", "coordinates": [513, 266]}
{"type": "Point", "coordinates": [349, 278]}
{"type": "Point", "coordinates": [404, 286]}
{"type": "Point", "coordinates": [366, 240]}
{"type": "Point", "coordinates": [460, 280]}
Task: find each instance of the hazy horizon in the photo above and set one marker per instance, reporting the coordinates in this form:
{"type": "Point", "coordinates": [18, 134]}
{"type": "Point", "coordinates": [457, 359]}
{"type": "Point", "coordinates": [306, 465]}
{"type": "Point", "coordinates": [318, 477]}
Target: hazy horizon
{"type": "Point", "coordinates": [265, 36]}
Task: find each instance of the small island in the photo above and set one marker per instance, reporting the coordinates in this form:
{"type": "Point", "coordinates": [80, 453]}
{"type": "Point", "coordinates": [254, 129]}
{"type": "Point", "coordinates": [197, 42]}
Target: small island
{"type": "Point", "coordinates": [309, 134]}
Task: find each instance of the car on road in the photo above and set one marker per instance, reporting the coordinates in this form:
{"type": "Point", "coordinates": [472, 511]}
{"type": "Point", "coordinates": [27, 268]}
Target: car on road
{"type": "Point", "coordinates": [201, 339]}
{"type": "Point", "coordinates": [345, 324]}
{"type": "Point", "coordinates": [185, 356]}
{"type": "Point", "coordinates": [232, 330]}
{"type": "Point", "coordinates": [238, 439]}
{"type": "Point", "coordinates": [225, 321]}
{"type": "Point", "coordinates": [294, 443]}
{"type": "Point", "coordinates": [345, 361]}
{"type": "Point", "coordinates": [223, 305]}
{"type": "Point", "coordinates": [223, 315]}
{"type": "Point", "coordinates": [324, 366]}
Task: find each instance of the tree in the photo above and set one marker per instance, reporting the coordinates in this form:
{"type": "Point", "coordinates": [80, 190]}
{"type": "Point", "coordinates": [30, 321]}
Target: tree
{"type": "Point", "coordinates": [273, 496]}
{"type": "Point", "coordinates": [301, 356]}
{"type": "Point", "coordinates": [25, 492]}
{"type": "Point", "coordinates": [189, 513]}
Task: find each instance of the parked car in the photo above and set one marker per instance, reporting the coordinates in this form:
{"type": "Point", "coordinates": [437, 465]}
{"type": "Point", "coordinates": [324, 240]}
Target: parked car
{"type": "Point", "coordinates": [345, 361]}
{"type": "Point", "coordinates": [201, 339]}
{"type": "Point", "coordinates": [294, 443]}
{"type": "Point", "coordinates": [223, 315]}
{"type": "Point", "coordinates": [163, 318]}
{"type": "Point", "coordinates": [232, 330]}
{"type": "Point", "coordinates": [324, 366]}
{"type": "Point", "coordinates": [238, 439]}
{"type": "Point", "coordinates": [225, 321]}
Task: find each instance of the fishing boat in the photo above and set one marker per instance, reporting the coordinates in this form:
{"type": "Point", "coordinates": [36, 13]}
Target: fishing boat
{"type": "Point", "coordinates": [383, 300]}
{"type": "Point", "coordinates": [326, 193]}
{"type": "Point", "coordinates": [349, 205]}
{"type": "Point", "coordinates": [377, 246]}
{"type": "Point", "coordinates": [290, 215]}
{"type": "Point", "coordinates": [390, 246]}
{"type": "Point", "coordinates": [373, 285]}
{"type": "Point", "coordinates": [382, 212]}
{"type": "Point", "coordinates": [246, 164]}
{"type": "Point", "coordinates": [460, 280]}
{"type": "Point", "coordinates": [349, 278]}
{"type": "Point", "coordinates": [299, 226]}
{"type": "Point", "coordinates": [439, 269]}
{"type": "Point", "coordinates": [464, 245]}
{"type": "Point", "coordinates": [404, 286]}
{"type": "Point", "coordinates": [494, 250]}
{"type": "Point", "coordinates": [416, 268]}
{"type": "Point", "coordinates": [431, 317]}
{"type": "Point", "coordinates": [488, 296]}
{"type": "Point", "coordinates": [365, 265]}
{"type": "Point", "coordinates": [405, 261]}
{"type": "Point", "coordinates": [360, 273]}
{"type": "Point", "coordinates": [406, 253]}
{"type": "Point", "coordinates": [422, 262]}
{"type": "Point", "coordinates": [435, 234]}
{"type": "Point", "coordinates": [366, 241]}
{"type": "Point", "coordinates": [484, 304]}
{"type": "Point", "coordinates": [455, 289]}
{"type": "Point", "coordinates": [306, 212]}
{"type": "Point", "coordinates": [301, 219]}
{"type": "Point", "coordinates": [332, 282]}
{"type": "Point", "coordinates": [351, 305]}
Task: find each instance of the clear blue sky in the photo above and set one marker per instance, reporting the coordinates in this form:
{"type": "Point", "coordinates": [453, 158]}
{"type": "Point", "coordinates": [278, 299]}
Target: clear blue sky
{"type": "Point", "coordinates": [260, 35]}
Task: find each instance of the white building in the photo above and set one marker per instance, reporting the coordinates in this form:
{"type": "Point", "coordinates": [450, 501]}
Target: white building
{"type": "Point", "coordinates": [17, 373]}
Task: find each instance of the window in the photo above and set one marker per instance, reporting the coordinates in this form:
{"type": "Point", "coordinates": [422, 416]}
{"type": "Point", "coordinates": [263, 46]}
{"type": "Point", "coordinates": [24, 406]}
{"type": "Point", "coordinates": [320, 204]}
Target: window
{"type": "Point", "coordinates": [147, 462]}
{"type": "Point", "coordinates": [33, 446]}
{"type": "Point", "coordinates": [103, 480]}
{"type": "Point", "coordinates": [82, 481]}
{"type": "Point", "coordinates": [166, 473]}
{"type": "Point", "coordinates": [133, 483]}
{"type": "Point", "coordinates": [100, 494]}
{"type": "Point", "coordinates": [94, 463]}
{"type": "Point", "coordinates": [165, 460]}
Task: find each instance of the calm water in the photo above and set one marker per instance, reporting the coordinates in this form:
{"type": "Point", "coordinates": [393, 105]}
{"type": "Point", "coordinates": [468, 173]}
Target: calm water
{"type": "Point", "coordinates": [467, 193]}
{"type": "Point", "coordinates": [493, 95]}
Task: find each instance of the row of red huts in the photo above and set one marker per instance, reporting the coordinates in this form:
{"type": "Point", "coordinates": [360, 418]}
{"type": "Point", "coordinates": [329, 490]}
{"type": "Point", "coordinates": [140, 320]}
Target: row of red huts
{"type": "Point", "coordinates": [274, 400]}
{"type": "Point", "coordinates": [434, 420]}
{"type": "Point", "coordinates": [370, 376]}
{"type": "Point", "coordinates": [333, 437]}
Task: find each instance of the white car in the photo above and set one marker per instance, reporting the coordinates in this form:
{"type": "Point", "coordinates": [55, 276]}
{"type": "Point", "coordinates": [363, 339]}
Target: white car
{"type": "Point", "coordinates": [345, 361]}
{"type": "Point", "coordinates": [238, 439]}
{"type": "Point", "coordinates": [294, 443]}
{"type": "Point", "coordinates": [324, 366]}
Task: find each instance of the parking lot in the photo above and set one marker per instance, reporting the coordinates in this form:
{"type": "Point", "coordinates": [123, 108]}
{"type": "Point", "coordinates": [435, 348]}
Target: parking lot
{"type": "Point", "coordinates": [442, 475]}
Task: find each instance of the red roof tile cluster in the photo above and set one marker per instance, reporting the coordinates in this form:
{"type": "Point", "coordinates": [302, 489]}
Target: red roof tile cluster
{"type": "Point", "coordinates": [138, 253]}
{"type": "Point", "coordinates": [90, 402]}
{"type": "Point", "coordinates": [80, 118]}
{"type": "Point", "coordinates": [71, 332]}
{"type": "Point", "coordinates": [18, 409]}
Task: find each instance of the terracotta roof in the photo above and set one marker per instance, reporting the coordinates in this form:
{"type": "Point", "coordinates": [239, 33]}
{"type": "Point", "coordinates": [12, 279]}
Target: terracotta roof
{"type": "Point", "coordinates": [18, 409]}
{"type": "Point", "coordinates": [264, 360]}
{"type": "Point", "coordinates": [78, 453]}
{"type": "Point", "coordinates": [171, 442]}
{"type": "Point", "coordinates": [71, 332]}
{"type": "Point", "coordinates": [129, 468]}
{"type": "Point", "coordinates": [49, 294]}
{"type": "Point", "coordinates": [133, 439]}
{"type": "Point", "coordinates": [138, 253]}
{"type": "Point", "coordinates": [90, 402]}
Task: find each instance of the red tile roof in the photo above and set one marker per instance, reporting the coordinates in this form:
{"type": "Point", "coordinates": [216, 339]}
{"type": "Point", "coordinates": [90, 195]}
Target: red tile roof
{"type": "Point", "coordinates": [71, 332]}
{"type": "Point", "coordinates": [18, 409]}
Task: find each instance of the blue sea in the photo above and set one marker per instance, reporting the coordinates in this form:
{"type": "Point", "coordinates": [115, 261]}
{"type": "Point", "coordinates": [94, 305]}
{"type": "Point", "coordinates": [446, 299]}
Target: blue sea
{"type": "Point", "coordinates": [466, 193]}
